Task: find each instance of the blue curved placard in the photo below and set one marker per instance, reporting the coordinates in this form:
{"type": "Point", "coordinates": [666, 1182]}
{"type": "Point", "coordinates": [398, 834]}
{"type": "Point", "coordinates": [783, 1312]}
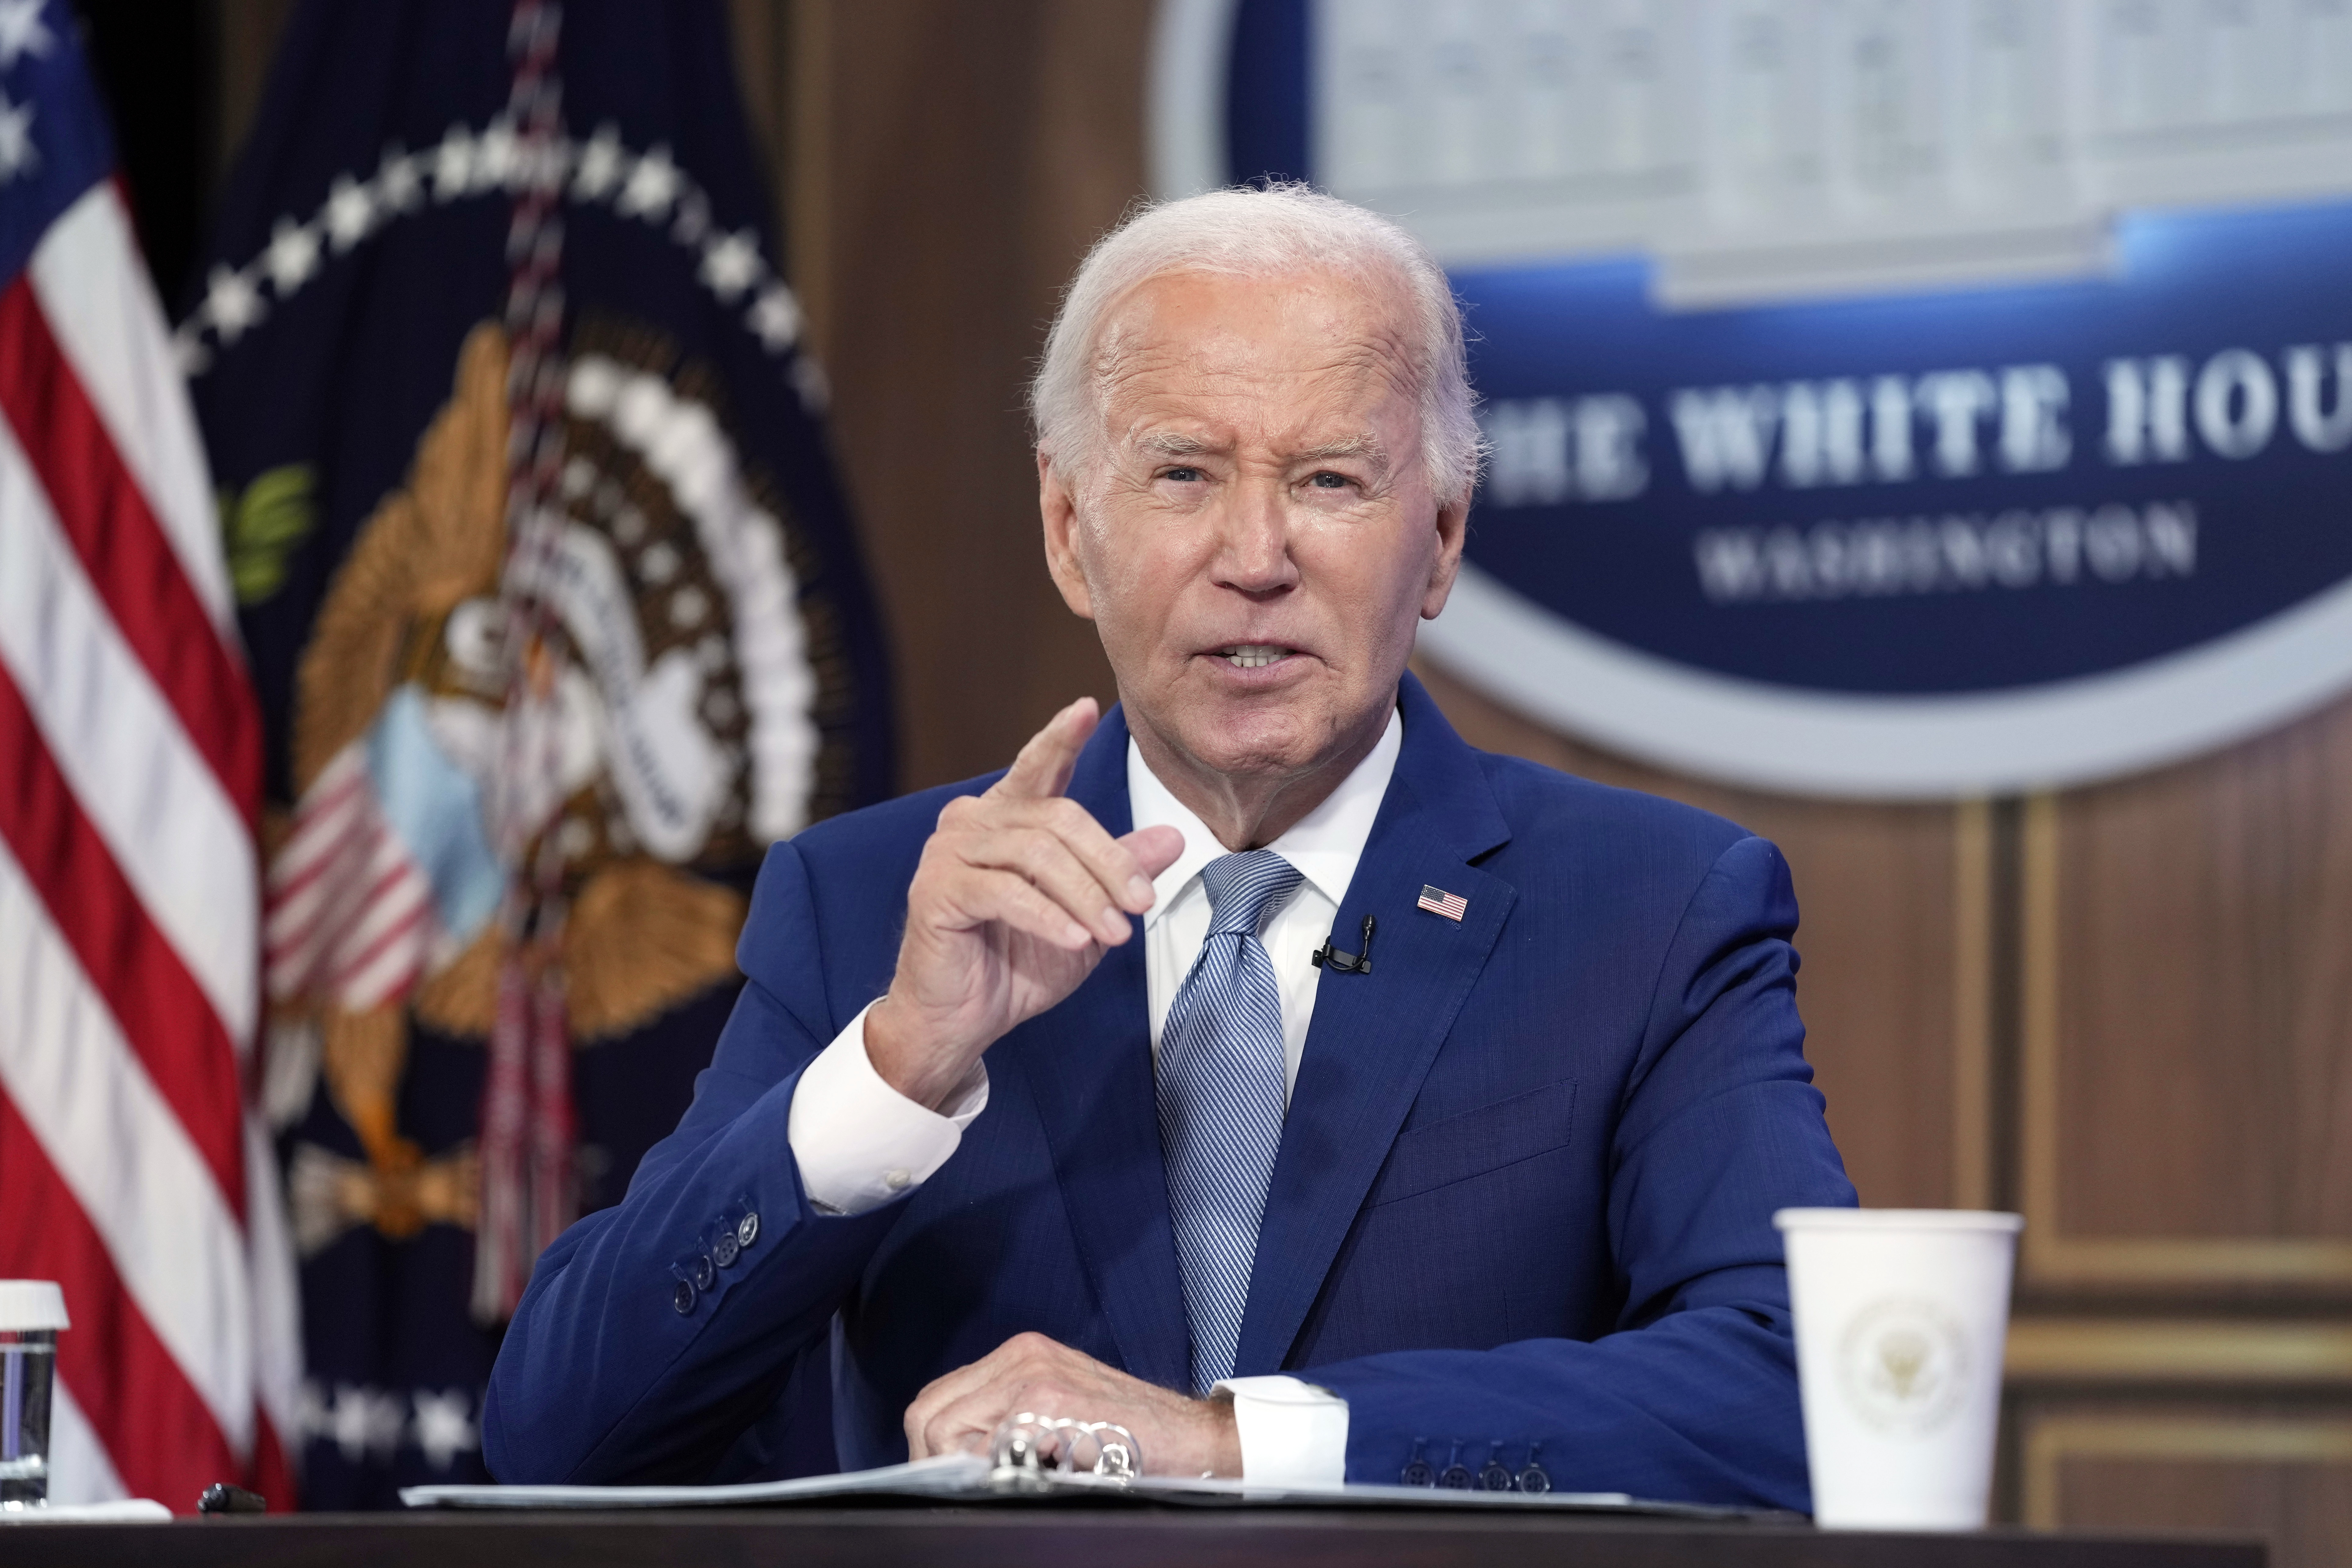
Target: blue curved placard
{"type": "Point", "coordinates": [2097, 473]}
{"type": "Point", "coordinates": [1991, 537]}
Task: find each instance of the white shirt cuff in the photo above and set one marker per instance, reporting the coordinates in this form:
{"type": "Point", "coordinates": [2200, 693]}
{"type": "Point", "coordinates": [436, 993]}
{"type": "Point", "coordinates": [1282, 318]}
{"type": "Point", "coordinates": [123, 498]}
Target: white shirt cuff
{"type": "Point", "coordinates": [1293, 1433]}
{"type": "Point", "coordinates": [860, 1144]}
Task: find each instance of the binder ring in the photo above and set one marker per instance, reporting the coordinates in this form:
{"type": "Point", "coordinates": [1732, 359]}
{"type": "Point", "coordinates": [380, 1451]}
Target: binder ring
{"type": "Point", "coordinates": [1030, 1446]}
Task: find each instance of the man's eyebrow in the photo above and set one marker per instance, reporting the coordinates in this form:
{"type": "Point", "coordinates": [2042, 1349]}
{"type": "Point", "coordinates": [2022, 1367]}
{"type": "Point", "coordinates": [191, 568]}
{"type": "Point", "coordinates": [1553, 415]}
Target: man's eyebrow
{"type": "Point", "coordinates": [1366, 446]}
{"type": "Point", "coordinates": [1171, 444]}
{"type": "Point", "coordinates": [1176, 444]}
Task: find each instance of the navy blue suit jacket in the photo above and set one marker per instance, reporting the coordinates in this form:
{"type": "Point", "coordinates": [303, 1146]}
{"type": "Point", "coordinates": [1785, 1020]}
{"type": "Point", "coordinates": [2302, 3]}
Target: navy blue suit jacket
{"type": "Point", "coordinates": [1524, 1193]}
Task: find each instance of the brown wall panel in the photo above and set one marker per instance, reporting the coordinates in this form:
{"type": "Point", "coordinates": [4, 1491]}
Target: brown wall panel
{"type": "Point", "coordinates": [1879, 888]}
{"type": "Point", "coordinates": [2280, 1471]}
{"type": "Point", "coordinates": [971, 154]}
{"type": "Point", "coordinates": [2187, 1089]}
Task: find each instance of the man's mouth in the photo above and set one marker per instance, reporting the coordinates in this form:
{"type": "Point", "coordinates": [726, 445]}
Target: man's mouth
{"type": "Point", "coordinates": [1252, 654]}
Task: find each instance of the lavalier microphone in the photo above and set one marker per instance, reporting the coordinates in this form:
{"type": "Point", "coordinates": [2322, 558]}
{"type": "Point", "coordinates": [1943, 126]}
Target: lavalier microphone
{"type": "Point", "coordinates": [1329, 957]}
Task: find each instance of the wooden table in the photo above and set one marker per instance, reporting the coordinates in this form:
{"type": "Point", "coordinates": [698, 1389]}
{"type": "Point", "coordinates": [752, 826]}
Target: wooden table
{"type": "Point", "coordinates": [1057, 1535]}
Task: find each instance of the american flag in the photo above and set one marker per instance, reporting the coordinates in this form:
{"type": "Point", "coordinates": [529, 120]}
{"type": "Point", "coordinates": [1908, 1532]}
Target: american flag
{"type": "Point", "coordinates": [1438, 901]}
{"type": "Point", "coordinates": [133, 1170]}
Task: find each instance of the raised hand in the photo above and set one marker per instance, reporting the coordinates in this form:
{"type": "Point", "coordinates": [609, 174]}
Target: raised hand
{"type": "Point", "coordinates": [1019, 892]}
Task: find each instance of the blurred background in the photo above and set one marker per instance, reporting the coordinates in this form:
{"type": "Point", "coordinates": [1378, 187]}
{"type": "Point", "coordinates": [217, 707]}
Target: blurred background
{"type": "Point", "coordinates": [2101, 976]}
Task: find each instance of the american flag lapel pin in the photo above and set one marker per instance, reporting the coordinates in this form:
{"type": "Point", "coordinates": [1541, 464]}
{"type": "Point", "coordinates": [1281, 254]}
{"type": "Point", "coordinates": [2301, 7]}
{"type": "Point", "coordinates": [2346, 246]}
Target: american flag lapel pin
{"type": "Point", "coordinates": [1438, 901]}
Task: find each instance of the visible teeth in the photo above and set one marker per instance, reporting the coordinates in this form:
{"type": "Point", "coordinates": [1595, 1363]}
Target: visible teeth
{"type": "Point", "coordinates": [1253, 655]}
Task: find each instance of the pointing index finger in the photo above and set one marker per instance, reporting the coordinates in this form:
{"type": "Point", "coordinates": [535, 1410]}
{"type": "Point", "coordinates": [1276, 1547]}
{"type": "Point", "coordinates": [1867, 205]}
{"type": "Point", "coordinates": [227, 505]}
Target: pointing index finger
{"type": "Point", "coordinates": [1043, 769]}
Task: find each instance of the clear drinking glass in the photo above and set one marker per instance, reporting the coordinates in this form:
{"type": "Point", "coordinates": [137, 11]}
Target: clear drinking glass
{"type": "Point", "coordinates": [31, 1313]}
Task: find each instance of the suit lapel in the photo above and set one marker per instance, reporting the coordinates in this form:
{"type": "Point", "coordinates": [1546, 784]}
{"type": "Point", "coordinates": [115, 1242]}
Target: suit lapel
{"type": "Point", "coordinates": [1088, 1062]}
{"type": "Point", "coordinates": [1374, 1035]}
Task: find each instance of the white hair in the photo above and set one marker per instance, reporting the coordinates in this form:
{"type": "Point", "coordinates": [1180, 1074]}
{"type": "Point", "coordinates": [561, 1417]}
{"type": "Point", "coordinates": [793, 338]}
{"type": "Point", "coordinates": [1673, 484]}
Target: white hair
{"type": "Point", "coordinates": [1262, 232]}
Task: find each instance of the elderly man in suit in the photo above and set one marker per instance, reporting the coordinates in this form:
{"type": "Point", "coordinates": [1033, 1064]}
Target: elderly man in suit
{"type": "Point", "coordinates": [1257, 1064]}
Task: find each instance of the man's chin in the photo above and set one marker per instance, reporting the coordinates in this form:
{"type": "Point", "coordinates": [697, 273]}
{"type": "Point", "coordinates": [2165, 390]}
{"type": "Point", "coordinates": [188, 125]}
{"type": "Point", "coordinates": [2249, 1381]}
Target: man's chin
{"type": "Point", "coordinates": [1271, 735]}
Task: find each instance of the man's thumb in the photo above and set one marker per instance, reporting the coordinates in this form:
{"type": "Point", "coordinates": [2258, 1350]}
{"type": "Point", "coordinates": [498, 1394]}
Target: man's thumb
{"type": "Point", "coordinates": [1154, 848]}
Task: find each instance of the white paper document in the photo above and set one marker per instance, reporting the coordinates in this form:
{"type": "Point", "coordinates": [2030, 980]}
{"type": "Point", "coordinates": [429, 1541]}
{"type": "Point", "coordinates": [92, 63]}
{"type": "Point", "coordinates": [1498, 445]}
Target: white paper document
{"type": "Point", "coordinates": [969, 1478]}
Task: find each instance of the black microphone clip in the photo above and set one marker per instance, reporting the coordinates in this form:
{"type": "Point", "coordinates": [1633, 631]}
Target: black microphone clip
{"type": "Point", "coordinates": [1327, 956]}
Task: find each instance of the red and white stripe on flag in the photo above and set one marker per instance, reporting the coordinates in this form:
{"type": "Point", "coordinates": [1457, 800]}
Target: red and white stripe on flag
{"type": "Point", "coordinates": [132, 1168]}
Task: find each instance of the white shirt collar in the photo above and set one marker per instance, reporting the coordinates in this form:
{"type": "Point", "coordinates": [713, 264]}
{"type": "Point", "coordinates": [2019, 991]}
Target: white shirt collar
{"type": "Point", "coordinates": [1325, 844]}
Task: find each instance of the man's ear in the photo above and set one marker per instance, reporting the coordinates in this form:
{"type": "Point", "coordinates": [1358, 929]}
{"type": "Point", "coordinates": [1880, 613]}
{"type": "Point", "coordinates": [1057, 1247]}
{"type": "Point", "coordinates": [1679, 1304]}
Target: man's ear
{"type": "Point", "coordinates": [1452, 528]}
{"type": "Point", "coordinates": [1057, 504]}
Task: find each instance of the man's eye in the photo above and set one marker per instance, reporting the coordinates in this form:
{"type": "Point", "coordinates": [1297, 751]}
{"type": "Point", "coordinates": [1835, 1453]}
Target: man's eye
{"type": "Point", "coordinates": [1181, 476]}
{"type": "Point", "coordinates": [1328, 480]}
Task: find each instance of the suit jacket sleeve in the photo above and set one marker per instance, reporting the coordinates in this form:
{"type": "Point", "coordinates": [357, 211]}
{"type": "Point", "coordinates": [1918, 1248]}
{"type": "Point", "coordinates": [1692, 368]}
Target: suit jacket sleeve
{"type": "Point", "coordinates": [1695, 1394]}
{"type": "Point", "coordinates": [602, 1378]}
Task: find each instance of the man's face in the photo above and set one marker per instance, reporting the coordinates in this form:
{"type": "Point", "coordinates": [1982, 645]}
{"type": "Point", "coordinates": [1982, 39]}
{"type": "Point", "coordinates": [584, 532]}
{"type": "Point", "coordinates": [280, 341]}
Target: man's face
{"type": "Point", "coordinates": [1256, 536]}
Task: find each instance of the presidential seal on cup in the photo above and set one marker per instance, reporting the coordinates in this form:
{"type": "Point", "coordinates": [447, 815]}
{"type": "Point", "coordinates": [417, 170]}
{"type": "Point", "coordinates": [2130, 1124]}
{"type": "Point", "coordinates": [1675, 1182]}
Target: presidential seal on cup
{"type": "Point", "coordinates": [1901, 1317]}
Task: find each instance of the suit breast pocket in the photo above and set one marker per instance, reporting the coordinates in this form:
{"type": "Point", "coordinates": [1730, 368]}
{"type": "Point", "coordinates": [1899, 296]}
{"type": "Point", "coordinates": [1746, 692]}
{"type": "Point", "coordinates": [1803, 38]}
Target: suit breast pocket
{"type": "Point", "coordinates": [1473, 1143]}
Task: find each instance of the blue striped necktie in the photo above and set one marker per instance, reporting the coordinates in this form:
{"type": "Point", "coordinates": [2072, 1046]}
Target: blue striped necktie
{"type": "Point", "coordinates": [1221, 1098]}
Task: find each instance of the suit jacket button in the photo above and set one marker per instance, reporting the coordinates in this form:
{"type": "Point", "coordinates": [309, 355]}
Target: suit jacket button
{"type": "Point", "coordinates": [706, 1274]}
{"type": "Point", "coordinates": [747, 1229]}
{"type": "Point", "coordinates": [683, 1297]}
{"type": "Point", "coordinates": [1455, 1476]}
{"type": "Point", "coordinates": [726, 1250]}
{"type": "Point", "coordinates": [1416, 1472]}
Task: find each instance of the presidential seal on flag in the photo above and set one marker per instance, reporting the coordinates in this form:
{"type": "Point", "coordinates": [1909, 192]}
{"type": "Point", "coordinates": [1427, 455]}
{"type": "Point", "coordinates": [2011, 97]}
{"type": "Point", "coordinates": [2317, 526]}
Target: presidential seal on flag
{"type": "Point", "coordinates": [558, 622]}
{"type": "Point", "coordinates": [673, 732]}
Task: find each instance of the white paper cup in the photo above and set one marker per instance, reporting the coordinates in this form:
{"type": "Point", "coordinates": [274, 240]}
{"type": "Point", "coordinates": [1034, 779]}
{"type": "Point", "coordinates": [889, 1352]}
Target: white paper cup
{"type": "Point", "coordinates": [1902, 1315]}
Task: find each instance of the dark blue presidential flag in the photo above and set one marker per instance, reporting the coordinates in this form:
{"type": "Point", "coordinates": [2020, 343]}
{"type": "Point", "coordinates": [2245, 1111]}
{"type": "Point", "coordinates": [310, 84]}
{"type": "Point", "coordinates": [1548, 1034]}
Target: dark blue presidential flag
{"type": "Point", "coordinates": [558, 621]}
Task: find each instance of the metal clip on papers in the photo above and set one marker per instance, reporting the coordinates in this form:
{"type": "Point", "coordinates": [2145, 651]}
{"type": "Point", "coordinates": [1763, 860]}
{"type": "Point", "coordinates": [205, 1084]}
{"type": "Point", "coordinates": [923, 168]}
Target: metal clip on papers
{"type": "Point", "coordinates": [1029, 1447]}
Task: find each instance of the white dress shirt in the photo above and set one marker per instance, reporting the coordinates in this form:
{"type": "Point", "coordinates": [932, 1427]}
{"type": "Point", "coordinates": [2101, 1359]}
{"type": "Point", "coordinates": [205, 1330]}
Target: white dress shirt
{"type": "Point", "coordinates": [859, 1144]}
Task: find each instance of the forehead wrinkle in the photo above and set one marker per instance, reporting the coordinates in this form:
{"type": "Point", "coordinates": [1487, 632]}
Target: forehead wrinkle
{"type": "Point", "coordinates": [1129, 357]}
{"type": "Point", "coordinates": [1354, 362]}
{"type": "Point", "coordinates": [1323, 388]}
{"type": "Point", "coordinates": [1372, 342]}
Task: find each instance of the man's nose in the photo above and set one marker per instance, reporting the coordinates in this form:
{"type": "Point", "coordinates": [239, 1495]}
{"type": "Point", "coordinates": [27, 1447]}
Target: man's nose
{"type": "Point", "coordinates": [1254, 551]}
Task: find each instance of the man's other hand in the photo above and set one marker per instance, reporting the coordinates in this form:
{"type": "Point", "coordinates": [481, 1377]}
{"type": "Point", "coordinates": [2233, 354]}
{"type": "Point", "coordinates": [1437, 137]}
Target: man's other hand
{"type": "Point", "coordinates": [1019, 892]}
{"type": "Point", "coordinates": [1029, 1372]}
